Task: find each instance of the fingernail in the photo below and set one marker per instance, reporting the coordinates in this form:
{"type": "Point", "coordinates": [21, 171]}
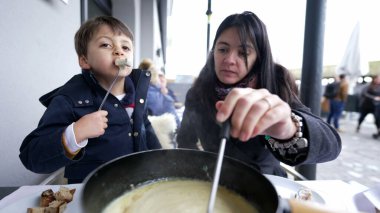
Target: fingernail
{"type": "Point", "coordinates": [234, 133]}
{"type": "Point", "coordinates": [219, 116]}
{"type": "Point", "coordinates": [243, 137]}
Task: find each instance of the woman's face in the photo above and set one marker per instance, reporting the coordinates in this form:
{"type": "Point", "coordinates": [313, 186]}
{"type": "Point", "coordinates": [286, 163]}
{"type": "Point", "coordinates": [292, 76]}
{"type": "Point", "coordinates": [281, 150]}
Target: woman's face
{"type": "Point", "coordinates": [229, 57]}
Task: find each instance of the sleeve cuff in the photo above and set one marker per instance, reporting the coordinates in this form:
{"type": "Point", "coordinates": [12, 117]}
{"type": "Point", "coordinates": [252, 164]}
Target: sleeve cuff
{"type": "Point", "coordinates": [70, 142]}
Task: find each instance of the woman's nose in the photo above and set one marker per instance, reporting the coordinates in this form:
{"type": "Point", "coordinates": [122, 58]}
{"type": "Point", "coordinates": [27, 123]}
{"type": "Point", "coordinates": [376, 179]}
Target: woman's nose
{"type": "Point", "coordinates": [230, 58]}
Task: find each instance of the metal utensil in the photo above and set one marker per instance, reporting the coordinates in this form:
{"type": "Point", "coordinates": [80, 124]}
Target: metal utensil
{"type": "Point", "coordinates": [121, 63]}
{"type": "Point", "coordinates": [109, 89]}
{"type": "Point", "coordinates": [225, 134]}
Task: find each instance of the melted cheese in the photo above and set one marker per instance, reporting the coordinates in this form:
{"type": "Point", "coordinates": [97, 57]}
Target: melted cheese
{"type": "Point", "coordinates": [178, 196]}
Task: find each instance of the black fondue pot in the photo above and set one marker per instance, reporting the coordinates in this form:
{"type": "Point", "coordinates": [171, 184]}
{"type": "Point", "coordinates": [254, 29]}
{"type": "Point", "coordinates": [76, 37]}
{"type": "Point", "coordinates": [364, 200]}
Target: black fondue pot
{"type": "Point", "coordinates": [114, 178]}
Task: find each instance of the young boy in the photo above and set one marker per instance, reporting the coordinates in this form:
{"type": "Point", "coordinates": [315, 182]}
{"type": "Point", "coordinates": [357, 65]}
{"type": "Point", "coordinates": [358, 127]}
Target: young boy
{"type": "Point", "coordinates": [72, 132]}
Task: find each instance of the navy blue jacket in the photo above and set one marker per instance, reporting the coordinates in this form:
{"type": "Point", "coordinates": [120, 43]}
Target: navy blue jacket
{"type": "Point", "coordinates": [42, 150]}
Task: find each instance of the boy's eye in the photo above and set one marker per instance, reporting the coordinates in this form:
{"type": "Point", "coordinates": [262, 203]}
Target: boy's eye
{"type": "Point", "coordinates": [105, 45]}
{"type": "Point", "coordinates": [126, 48]}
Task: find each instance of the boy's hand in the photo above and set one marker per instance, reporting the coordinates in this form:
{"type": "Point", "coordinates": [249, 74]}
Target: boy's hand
{"type": "Point", "coordinates": [91, 125]}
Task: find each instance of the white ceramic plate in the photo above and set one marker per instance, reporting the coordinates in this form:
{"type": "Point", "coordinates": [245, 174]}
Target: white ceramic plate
{"type": "Point", "coordinates": [287, 188]}
{"type": "Point", "coordinates": [22, 204]}
{"type": "Point", "coordinates": [32, 200]}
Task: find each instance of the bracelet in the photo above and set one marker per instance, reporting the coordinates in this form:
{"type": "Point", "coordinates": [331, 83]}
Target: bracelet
{"type": "Point", "coordinates": [292, 146]}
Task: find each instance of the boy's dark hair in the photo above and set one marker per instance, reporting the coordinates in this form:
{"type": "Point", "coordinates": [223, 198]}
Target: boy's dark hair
{"type": "Point", "coordinates": [90, 27]}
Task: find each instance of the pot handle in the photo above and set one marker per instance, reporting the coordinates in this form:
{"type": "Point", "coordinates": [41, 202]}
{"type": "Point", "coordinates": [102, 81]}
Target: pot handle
{"type": "Point", "coordinates": [299, 206]}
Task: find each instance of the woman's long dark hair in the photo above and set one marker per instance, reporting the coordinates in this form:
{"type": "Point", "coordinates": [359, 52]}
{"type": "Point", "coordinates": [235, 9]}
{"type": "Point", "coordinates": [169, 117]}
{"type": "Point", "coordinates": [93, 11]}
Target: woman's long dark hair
{"type": "Point", "coordinates": [274, 77]}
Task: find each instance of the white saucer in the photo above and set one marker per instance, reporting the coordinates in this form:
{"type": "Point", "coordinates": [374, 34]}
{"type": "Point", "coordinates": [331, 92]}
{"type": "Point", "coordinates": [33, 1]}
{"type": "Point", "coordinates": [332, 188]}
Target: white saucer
{"type": "Point", "coordinates": [287, 188]}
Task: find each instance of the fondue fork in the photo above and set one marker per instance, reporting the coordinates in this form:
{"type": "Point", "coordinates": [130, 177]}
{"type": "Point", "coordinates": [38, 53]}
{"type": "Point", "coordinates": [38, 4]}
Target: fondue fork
{"type": "Point", "coordinates": [121, 63]}
{"type": "Point", "coordinates": [224, 135]}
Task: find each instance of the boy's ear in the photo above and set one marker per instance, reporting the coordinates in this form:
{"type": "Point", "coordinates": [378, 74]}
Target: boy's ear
{"type": "Point", "coordinates": [83, 63]}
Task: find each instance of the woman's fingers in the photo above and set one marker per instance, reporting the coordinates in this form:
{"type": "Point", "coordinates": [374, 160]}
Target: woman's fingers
{"type": "Point", "coordinates": [247, 95]}
{"type": "Point", "coordinates": [218, 105]}
{"type": "Point", "coordinates": [260, 115]}
{"type": "Point", "coordinates": [225, 110]}
{"type": "Point", "coordinates": [271, 120]}
{"type": "Point", "coordinates": [248, 110]}
{"type": "Point", "coordinates": [253, 112]}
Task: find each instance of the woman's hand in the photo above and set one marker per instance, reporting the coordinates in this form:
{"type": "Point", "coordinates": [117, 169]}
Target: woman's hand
{"type": "Point", "coordinates": [91, 125]}
{"type": "Point", "coordinates": [256, 112]}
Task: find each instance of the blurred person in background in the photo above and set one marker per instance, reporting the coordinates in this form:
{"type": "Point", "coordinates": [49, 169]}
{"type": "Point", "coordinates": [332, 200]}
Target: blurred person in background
{"type": "Point", "coordinates": [158, 103]}
{"type": "Point", "coordinates": [338, 101]}
{"type": "Point", "coordinates": [167, 91]}
{"type": "Point", "coordinates": [370, 103]}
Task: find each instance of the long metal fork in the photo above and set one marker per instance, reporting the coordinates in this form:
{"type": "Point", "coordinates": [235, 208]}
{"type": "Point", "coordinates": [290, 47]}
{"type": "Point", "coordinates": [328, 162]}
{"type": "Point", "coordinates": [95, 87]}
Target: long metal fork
{"type": "Point", "coordinates": [225, 134]}
{"type": "Point", "coordinates": [121, 63]}
{"type": "Point", "coordinates": [109, 89]}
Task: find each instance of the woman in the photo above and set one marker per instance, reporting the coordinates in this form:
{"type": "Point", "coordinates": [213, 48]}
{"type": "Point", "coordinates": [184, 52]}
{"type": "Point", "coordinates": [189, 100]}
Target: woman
{"type": "Point", "coordinates": [240, 82]}
{"type": "Point", "coordinates": [370, 103]}
{"type": "Point", "coordinates": [337, 102]}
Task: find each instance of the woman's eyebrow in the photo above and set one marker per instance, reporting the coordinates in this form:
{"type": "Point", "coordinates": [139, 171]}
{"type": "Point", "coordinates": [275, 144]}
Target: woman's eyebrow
{"type": "Point", "coordinates": [222, 43]}
{"type": "Point", "coordinates": [248, 46]}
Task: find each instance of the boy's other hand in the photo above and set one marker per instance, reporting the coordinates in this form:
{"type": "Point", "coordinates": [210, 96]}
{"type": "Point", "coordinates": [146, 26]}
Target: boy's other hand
{"type": "Point", "coordinates": [91, 125]}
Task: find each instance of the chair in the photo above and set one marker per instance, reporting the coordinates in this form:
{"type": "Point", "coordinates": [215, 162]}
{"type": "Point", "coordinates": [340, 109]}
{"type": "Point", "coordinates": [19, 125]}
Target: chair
{"type": "Point", "coordinates": [55, 178]}
{"type": "Point", "coordinates": [164, 126]}
{"type": "Point", "coordinates": [292, 172]}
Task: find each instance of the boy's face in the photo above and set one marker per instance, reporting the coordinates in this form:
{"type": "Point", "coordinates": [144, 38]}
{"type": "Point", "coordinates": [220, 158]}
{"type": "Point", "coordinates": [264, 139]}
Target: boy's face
{"type": "Point", "coordinates": [102, 51]}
